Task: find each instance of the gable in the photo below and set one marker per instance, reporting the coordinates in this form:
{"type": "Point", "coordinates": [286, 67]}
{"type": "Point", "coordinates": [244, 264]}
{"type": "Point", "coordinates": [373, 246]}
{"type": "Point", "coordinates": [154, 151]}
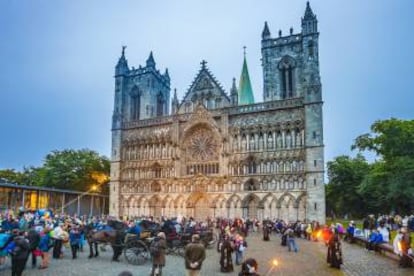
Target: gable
{"type": "Point", "coordinates": [204, 90]}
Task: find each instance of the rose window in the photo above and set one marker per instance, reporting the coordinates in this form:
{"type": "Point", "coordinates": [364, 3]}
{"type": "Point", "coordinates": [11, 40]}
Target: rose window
{"type": "Point", "coordinates": [202, 146]}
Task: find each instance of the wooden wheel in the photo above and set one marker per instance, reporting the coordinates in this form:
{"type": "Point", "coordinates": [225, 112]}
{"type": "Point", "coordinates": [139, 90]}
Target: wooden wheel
{"type": "Point", "coordinates": [136, 252]}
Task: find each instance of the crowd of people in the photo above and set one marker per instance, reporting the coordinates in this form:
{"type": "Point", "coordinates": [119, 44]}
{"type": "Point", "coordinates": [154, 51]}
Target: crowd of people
{"type": "Point", "coordinates": [378, 230]}
{"type": "Point", "coordinates": [40, 233]}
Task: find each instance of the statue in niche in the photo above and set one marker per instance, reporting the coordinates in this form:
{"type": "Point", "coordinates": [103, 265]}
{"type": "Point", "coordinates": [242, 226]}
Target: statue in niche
{"type": "Point", "coordinates": [252, 143]}
{"type": "Point", "coordinates": [260, 142]}
{"type": "Point", "coordinates": [235, 143]}
{"type": "Point", "coordinates": [298, 139]}
{"type": "Point", "coordinates": [157, 151]}
{"type": "Point", "coordinates": [294, 166]}
{"type": "Point", "coordinates": [269, 141]}
{"type": "Point", "coordinates": [279, 140]}
{"type": "Point", "coordinates": [244, 143]}
{"type": "Point", "coordinates": [288, 140]}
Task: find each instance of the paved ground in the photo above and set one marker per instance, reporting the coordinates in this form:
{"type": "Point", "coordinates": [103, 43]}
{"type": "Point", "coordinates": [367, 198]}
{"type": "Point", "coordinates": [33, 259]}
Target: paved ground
{"type": "Point", "coordinates": [310, 260]}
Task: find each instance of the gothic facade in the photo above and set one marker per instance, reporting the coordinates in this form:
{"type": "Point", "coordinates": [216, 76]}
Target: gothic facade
{"type": "Point", "coordinates": [218, 154]}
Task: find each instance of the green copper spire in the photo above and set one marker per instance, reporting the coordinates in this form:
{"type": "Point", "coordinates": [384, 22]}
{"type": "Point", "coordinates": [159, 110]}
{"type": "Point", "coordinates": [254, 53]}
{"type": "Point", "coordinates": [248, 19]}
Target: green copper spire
{"type": "Point", "coordinates": [245, 87]}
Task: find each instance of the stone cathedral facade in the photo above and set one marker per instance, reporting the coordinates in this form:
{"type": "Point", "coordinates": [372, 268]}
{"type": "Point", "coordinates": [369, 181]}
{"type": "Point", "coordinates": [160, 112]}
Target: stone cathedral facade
{"type": "Point", "coordinates": [219, 154]}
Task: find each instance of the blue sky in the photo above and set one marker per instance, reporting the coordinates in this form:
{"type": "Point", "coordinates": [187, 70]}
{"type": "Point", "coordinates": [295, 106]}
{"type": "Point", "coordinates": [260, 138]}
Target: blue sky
{"type": "Point", "coordinates": [58, 57]}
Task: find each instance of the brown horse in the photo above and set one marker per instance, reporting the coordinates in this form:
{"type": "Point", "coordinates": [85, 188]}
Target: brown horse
{"type": "Point", "coordinates": [113, 236]}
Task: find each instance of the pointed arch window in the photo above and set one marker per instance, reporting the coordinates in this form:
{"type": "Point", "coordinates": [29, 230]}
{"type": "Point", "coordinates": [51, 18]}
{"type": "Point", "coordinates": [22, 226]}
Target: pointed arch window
{"type": "Point", "coordinates": [286, 71]}
{"type": "Point", "coordinates": [160, 105]}
{"type": "Point", "coordinates": [135, 103]}
{"type": "Point", "coordinates": [311, 49]}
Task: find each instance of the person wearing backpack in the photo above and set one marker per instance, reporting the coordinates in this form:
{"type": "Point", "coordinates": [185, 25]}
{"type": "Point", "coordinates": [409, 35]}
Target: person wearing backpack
{"type": "Point", "coordinates": [20, 254]}
{"type": "Point", "coordinates": [157, 250]}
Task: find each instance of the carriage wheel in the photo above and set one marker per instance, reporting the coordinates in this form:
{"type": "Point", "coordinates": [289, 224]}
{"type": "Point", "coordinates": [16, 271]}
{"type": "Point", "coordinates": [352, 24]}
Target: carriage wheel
{"type": "Point", "coordinates": [210, 242]}
{"type": "Point", "coordinates": [136, 252]}
{"type": "Point", "coordinates": [180, 251]}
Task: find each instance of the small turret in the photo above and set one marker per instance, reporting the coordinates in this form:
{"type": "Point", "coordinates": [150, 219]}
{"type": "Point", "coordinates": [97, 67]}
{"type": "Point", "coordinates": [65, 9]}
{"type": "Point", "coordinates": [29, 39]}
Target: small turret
{"type": "Point", "coordinates": [309, 21]}
{"type": "Point", "coordinates": [266, 32]}
{"type": "Point", "coordinates": [121, 67]}
{"type": "Point", "coordinates": [151, 61]}
{"type": "Point", "coordinates": [234, 95]}
{"type": "Point", "coordinates": [175, 103]}
{"type": "Point", "coordinates": [166, 74]}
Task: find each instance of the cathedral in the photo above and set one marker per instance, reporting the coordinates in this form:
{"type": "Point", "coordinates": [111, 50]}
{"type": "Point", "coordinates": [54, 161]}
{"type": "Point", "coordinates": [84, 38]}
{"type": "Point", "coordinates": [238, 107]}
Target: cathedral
{"type": "Point", "coordinates": [221, 154]}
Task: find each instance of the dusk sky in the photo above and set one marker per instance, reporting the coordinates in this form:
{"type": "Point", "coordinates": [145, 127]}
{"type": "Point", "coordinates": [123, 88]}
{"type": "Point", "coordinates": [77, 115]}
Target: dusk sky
{"type": "Point", "coordinates": [58, 58]}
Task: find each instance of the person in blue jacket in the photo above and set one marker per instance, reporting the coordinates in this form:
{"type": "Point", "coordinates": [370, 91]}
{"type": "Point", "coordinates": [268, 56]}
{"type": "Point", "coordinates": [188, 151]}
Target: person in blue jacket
{"type": "Point", "coordinates": [135, 229]}
{"type": "Point", "coordinates": [44, 246]}
{"type": "Point", "coordinates": [74, 239]}
{"type": "Point", "coordinates": [375, 238]}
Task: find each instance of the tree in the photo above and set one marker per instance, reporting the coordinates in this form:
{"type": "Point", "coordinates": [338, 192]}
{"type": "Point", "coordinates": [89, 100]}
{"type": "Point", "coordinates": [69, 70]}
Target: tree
{"type": "Point", "coordinates": [10, 175]}
{"type": "Point", "coordinates": [345, 175]}
{"type": "Point", "coordinates": [390, 183]}
{"type": "Point", "coordinates": [79, 170]}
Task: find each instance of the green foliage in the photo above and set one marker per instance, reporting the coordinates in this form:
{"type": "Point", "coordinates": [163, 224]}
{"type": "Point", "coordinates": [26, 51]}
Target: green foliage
{"type": "Point", "coordinates": [345, 175]}
{"type": "Point", "coordinates": [393, 138]}
{"type": "Point", "coordinates": [387, 185]}
{"type": "Point", "coordinates": [68, 169]}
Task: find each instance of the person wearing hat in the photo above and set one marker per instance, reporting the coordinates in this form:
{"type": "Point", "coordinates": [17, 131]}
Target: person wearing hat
{"type": "Point", "coordinates": [158, 259]}
{"type": "Point", "coordinates": [195, 254]}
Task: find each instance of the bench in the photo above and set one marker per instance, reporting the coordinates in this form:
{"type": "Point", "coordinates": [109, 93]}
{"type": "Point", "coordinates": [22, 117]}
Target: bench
{"type": "Point", "coordinates": [383, 248]}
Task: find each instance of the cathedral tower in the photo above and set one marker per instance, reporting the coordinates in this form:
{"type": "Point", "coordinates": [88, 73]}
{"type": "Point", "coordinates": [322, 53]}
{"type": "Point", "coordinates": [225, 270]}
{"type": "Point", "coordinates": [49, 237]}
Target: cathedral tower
{"type": "Point", "coordinates": [291, 70]}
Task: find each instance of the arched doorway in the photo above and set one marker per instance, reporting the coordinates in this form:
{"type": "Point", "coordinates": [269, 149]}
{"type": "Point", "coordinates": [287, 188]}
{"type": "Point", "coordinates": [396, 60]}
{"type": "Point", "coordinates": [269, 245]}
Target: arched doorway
{"type": "Point", "coordinates": [201, 209]}
{"type": "Point", "coordinates": [251, 206]}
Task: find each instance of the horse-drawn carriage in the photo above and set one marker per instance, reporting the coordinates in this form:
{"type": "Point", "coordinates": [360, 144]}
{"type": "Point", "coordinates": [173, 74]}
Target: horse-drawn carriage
{"type": "Point", "coordinates": [135, 249]}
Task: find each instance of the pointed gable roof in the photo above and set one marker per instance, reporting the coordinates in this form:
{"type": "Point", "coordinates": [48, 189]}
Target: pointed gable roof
{"type": "Point", "coordinates": [205, 83]}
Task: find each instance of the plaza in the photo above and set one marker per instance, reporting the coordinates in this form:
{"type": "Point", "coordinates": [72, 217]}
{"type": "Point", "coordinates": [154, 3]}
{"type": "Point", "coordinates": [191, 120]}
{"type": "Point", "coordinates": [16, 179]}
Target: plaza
{"type": "Point", "coordinates": [310, 260]}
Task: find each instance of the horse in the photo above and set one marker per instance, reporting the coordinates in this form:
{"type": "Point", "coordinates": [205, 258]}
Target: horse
{"type": "Point", "coordinates": [114, 236]}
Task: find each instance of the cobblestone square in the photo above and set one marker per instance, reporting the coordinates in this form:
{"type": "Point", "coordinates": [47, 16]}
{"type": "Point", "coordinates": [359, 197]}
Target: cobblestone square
{"type": "Point", "coordinates": [310, 260]}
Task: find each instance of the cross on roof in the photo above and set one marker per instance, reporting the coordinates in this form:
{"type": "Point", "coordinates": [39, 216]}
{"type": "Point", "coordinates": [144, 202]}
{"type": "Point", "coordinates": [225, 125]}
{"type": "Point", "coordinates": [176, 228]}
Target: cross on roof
{"type": "Point", "coordinates": [244, 50]}
{"type": "Point", "coordinates": [203, 63]}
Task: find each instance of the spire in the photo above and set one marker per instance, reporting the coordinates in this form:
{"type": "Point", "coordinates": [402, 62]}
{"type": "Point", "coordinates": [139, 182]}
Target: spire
{"type": "Point", "coordinates": [151, 61]}
{"type": "Point", "coordinates": [309, 15]}
{"type": "Point", "coordinates": [309, 21]}
{"type": "Point", "coordinates": [175, 104]}
{"type": "Point", "coordinates": [266, 32]}
{"type": "Point", "coordinates": [166, 74]}
{"type": "Point", "coordinates": [121, 67]}
{"type": "Point", "coordinates": [175, 99]}
{"type": "Point", "coordinates": [245, 87]}
{"type": "Point", "coordinates": [234, 95]}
